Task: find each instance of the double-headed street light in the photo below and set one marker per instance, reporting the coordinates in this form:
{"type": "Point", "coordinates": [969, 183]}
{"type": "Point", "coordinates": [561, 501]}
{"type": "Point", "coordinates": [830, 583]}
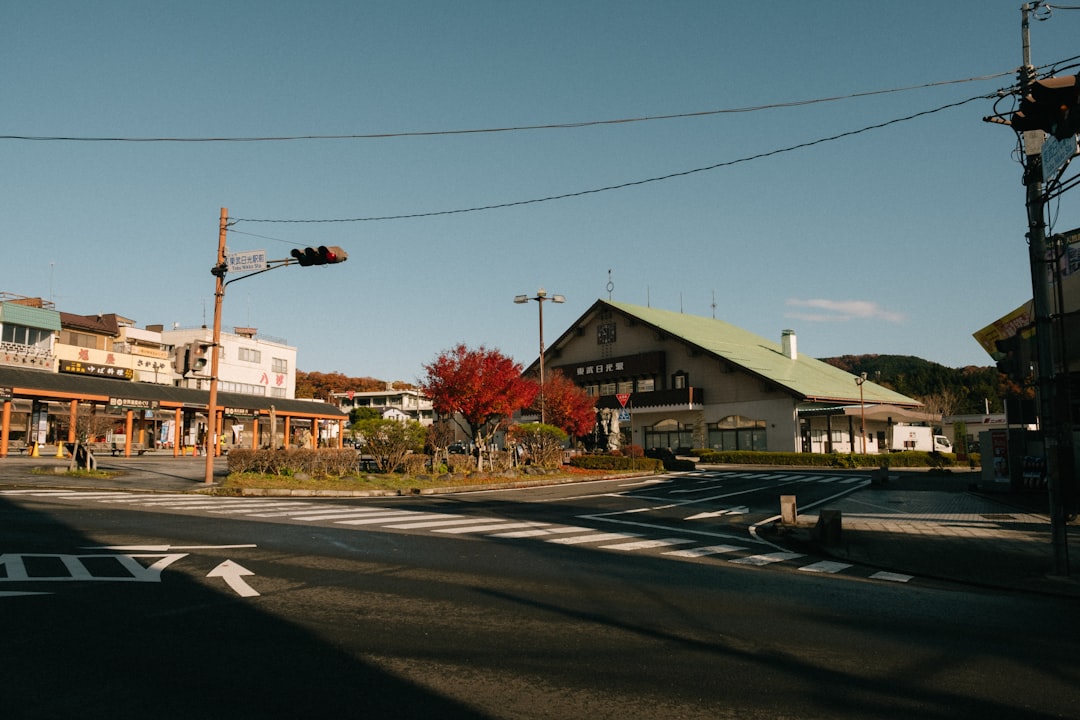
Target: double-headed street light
{"type": "Point", "coordinates": [541, 296]}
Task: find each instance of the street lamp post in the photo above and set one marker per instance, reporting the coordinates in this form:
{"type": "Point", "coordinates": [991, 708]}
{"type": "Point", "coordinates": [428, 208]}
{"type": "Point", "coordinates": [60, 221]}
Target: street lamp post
{"type": "Point", "coordinates": [862, 410]}
{"type": "Point", "coordinates": [541, 296]}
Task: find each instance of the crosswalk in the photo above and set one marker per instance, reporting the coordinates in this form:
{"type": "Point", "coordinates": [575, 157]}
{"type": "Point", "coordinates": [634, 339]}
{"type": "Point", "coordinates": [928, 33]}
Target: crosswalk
{"type": "Point", "coordinates": [664, 544]}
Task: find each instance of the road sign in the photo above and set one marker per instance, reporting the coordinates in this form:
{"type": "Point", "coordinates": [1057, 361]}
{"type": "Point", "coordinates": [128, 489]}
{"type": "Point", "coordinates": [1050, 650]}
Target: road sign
{"type": "Point", "coordinates": [1055, 155]}
{"type": "Point", "coordinates": [623, 398]}
{"type": "Point", "coordinates": [251, 261]}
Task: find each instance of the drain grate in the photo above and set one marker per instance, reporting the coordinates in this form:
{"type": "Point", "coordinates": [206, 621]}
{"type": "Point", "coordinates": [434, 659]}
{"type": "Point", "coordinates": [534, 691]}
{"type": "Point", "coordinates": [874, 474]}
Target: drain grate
{"type": "Point", "coordinates": [999, 517]}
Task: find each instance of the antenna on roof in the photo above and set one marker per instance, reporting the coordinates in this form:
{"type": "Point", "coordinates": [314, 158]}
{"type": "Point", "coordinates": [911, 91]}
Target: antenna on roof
{"type": "Point", "coordinates": [610, 285]}
{"type": "Point", "coordinates": [713, 305]}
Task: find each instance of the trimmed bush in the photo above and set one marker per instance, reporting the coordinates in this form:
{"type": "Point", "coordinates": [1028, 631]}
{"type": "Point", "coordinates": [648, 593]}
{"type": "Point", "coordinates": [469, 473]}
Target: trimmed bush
{"type": "Point", "coordinates": [844, 460]}
{"type": "Point", "coordinates": [616, 463]}
{"type": "Point", "coordinates": [317, 463]}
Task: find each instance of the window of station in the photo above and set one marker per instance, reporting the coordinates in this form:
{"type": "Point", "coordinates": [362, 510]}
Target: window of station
{"type": "Point", "coordinates": [736, 432]}
{"type": "Point", "coordinates": [669, 434]}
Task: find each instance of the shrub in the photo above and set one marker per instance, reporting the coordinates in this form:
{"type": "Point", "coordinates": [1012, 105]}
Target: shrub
{"type": "Point", "coordinates": [616, 463]}
{"type": "Point", "coordinates": [321, 462]}
{"type": "Point", "coordinates": [845, 460]}
{"type": "Point", "coordinates": [416, 463]}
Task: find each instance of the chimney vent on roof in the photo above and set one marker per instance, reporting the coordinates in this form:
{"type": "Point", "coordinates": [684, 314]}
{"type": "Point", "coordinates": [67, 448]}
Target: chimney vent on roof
{"type": "Point", "coordinates": [787, 344]}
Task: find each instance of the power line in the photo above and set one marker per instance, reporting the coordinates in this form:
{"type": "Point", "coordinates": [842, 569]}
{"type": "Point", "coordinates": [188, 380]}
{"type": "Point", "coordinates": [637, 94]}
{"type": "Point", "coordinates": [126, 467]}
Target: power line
{"type": "Point", "coordinates": [632, 183]}
{"type": "Point", "coordinates": [477, 131]}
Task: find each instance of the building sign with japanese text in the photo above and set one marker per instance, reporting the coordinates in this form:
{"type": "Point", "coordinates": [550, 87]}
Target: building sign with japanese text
{"type": "Point", "coordinates": [103, 371]}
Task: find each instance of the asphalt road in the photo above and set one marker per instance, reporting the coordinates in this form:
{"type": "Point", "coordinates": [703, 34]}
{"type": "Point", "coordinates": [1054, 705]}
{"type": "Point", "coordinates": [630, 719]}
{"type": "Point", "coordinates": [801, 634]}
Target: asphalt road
{"type": "Point", "coordinates": [142, 606]}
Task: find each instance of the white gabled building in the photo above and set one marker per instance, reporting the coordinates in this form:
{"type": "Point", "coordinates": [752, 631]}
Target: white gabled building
{"type": "Point", "coordinates": [403, 404]}
{"type": "Point", "coordinates": [248, 364]}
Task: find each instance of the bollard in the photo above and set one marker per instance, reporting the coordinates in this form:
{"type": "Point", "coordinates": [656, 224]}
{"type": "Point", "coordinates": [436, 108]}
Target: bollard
{"type": "Point", "coordinates": [829, 527]}
{"type": "Point", "coordinates": [789, 515]}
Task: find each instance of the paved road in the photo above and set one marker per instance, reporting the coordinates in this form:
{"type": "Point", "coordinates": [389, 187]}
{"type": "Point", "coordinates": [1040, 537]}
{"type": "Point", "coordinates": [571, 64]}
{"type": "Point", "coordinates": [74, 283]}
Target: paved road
{"type": "Point", "coordinates": [344, 617]}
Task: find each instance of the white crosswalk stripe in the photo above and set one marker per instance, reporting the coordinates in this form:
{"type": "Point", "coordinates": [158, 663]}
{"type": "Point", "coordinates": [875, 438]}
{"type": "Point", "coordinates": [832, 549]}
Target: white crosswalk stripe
{"type": "Point", "coordinates": [594, 537]}
{"type": "Point", "coordinates": [826, 566]}
{"type": "Point", "coordinates": [705, 551]}
{"type": "Point", "coordinates": [456, 524]}
{"type": "Point", "coordinates": [647, 544]}
{"type": "Point", "coordinates": [766, 558]}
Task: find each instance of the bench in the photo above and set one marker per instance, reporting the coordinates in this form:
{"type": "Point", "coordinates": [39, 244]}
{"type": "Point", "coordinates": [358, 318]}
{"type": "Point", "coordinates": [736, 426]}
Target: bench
{"type": "Point", "coordinates": [118, 448]}
{"type": "Point", "coordinates": [19, 445]}
{"type": "Point", "coordinates": [114, 448]}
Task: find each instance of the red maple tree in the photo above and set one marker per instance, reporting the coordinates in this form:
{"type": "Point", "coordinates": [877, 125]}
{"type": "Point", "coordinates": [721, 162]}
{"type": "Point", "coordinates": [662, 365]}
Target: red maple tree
{"type": "Point", "coordinates": [567, 406]}
{"type": "Point", "coordinates": [481, 388]}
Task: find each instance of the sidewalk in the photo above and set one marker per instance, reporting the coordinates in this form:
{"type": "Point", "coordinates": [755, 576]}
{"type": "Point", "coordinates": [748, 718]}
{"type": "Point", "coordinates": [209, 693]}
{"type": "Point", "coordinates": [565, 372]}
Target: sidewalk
{"type": "Point", "coordinates": [935, 526]}
{"type": "Point", "coordinates": [917, 523]}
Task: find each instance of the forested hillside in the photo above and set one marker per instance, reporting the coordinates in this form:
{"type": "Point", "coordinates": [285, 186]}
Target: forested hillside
{"type": "Point", "coordinates": [951, 391]}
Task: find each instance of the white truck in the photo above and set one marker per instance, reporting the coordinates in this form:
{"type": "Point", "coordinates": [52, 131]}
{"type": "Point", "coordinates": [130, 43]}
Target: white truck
{"type": "Point", "coordinates": [915, 437]}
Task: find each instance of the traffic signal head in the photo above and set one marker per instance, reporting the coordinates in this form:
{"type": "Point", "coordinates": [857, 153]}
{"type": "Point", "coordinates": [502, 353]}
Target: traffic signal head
{"type": "Point", "coordinates": [198, 356]}
{"type": "Point", "coordinates": [180, 360]}
{"type": "Point", "coordinates": [322, 255]}
{"type": "Point", "coordinates": [1051, 105]}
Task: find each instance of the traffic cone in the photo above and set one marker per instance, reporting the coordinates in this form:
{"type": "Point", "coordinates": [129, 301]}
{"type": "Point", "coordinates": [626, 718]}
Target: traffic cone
{"type": "Point", "coordinates": [35, 452]}
{"type": "Point", "coordinates": [60, 450]}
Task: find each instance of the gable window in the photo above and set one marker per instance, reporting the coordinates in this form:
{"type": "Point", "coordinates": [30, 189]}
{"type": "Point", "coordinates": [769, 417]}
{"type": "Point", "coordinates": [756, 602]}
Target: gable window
{"type": "Point", "coordinates": [680, 381]}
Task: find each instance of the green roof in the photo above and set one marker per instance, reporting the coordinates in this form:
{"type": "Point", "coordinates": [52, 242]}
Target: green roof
{"type": "Point", "coordinates": [807, 377]}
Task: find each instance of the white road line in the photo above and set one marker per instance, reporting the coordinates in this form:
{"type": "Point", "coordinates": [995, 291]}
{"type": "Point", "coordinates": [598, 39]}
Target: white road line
{"type": "Point", "coordinates": [542, 531]}
{"type": "Point", "coordinates": [444, 519]}
{"type": "Point", "coordinates": [826, 566]}
{"type": "Point", "coordinates": [593, 537]}
{"type": "Point", "coordinates": [646, 544]}
{"type": "Point", "coordinates": [312, 510]}
{"type": "Point", "coordinates": [891, 577]}
{"type": "Point", "coordinates": [497, 525]}
{"type": "Point", "coordinates": [703, 551]}
{"type": "Point", "coordinates": [369, 518]}
{"type": "Point", "coordinates": [766, 558]}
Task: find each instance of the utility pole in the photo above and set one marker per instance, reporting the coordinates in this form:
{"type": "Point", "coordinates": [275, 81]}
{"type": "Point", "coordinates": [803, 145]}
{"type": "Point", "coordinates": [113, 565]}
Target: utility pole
{"type": "Point", "coordinates": [1049, 424]}
{"type": "Point", "coordinates": [219, 295]}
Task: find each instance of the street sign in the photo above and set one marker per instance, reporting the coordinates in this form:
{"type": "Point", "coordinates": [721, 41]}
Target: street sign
{"type": "Point", "coordinates": [1055, 155]}
{"type": "Point", "coordinates": [623, 397]}
{"type": "Point", "coordinates": [251, 261]}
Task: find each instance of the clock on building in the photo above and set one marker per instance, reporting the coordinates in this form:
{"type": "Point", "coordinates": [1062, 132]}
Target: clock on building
{"type": "Point", "coordinates": [605, 333]}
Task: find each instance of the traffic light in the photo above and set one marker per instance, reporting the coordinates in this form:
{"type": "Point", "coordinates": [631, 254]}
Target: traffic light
{"type": "Point", "coordinates": [1052, 105]}
{"type": "Point", "coordinates": [1014, 358]}
{"type": "Point", "coordinates": [180, 360]}
{"type": "Point", "coordinates": [322, 255]}
{"type": "Point", "coordinates": [198, 356]}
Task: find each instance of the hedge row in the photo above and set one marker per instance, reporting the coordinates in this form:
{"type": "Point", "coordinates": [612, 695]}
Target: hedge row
{"type": "Point", "coordinates": [616, 463]}
{"type": "Point", "coordinates": [846, 460]}
{"type": "Point", "coordinates": [317, 463]}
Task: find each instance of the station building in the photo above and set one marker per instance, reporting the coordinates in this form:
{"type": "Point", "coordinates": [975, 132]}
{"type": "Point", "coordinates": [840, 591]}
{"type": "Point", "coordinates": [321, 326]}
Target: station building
{"type": "Point", "coordinates": [666, 379]}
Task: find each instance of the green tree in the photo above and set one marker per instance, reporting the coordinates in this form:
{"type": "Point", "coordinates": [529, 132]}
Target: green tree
{"type": "Point", "coordinates": [389, 441]}
{"type": "Point", "coordinates": [543, 444]}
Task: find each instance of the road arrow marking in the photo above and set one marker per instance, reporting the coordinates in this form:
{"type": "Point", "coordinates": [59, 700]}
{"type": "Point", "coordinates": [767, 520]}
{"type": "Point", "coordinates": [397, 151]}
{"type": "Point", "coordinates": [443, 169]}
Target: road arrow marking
{"type": "Point", "coordinates": [232, 574]}
{"type": "Point", "coordinates": [740, 510]}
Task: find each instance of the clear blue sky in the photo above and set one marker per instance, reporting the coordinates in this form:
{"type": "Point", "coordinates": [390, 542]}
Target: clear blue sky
{"type": "Point", "coordinates": [900, 240]}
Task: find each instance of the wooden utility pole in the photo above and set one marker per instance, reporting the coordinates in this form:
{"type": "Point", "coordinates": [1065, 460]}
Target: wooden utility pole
{"type": "Point", "coordinates": [219, 295]}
